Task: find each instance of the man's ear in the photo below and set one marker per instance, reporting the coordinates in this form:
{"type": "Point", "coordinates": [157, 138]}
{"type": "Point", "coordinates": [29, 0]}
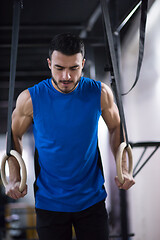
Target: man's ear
{"type": "Point", "coordinates": [49, 63]}
{"type": "Point", "coordinates": [83, 62]}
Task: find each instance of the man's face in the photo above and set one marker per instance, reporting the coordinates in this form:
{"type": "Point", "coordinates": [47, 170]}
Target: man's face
{"type": "Point", "coordinates": [66, 70]}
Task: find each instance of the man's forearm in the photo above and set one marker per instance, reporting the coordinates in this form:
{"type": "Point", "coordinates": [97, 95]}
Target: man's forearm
{"type": "Point", "coordinates": [115, 140]}
{"type": "Point", "coordinates": [17, 143]}
{"type": "Point", "coordinates": [14, 170]}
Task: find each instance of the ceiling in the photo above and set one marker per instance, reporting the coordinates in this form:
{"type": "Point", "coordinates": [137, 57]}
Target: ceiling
{"type": "Point", "coordinates": [40, 21]}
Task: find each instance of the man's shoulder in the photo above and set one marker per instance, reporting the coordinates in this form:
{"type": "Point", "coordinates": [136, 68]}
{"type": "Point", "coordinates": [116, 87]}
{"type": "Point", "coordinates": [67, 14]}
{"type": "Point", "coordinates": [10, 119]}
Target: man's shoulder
{"type": "Point", "coordinates": [106, 95]}
{"type": "Point", "coordinates": [105, 89]}
{"type": "Point", "coordinates": [24, 102]}
{"type": "Point", "coordinates": [24, 96]}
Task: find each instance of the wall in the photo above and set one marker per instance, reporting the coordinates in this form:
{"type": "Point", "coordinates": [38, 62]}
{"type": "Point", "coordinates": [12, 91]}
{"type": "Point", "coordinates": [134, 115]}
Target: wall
{"type": "Point", "coordinates": [143, 117]}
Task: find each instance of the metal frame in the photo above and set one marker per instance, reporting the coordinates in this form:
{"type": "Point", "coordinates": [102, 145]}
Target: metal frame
{"type": "Point", "coordinates": [114, 46]}
{"type": "Point", "coordinates": [144, 145]}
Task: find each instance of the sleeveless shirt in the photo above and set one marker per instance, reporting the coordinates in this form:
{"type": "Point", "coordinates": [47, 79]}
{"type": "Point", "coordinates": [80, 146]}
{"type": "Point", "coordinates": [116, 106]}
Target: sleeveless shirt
{"type": "Point", "coordinates": [65, 126]}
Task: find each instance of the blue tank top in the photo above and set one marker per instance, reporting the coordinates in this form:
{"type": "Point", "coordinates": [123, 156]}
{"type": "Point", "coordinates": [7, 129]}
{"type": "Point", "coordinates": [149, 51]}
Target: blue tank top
{"type": "Point", "coordinates": [68, 175]}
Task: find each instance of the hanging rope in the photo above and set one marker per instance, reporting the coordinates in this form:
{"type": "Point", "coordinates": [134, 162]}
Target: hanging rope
{"type": "Point", "coordinates": [13, 63]}
{"type": "Point", "coordinates": [10, 143]}
{"type": "Point", "coordinates": [116, 79]}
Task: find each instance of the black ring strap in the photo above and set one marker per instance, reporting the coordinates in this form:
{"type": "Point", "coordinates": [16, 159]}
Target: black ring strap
{"type": "Point", "coordinates": [115, 74]}
{"type": "Point", "coordinates": [17, 5]}
{"type": "Point", "coordinates": [144, 7]}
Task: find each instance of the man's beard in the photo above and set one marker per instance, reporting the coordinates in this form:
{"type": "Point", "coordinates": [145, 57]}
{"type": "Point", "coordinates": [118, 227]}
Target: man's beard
{"type": "Point", "coordinates": [65, 91]}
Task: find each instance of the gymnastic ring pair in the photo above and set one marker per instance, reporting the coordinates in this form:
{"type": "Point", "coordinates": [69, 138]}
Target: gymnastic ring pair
{"type": "Point", "coordinates": [123, 147]}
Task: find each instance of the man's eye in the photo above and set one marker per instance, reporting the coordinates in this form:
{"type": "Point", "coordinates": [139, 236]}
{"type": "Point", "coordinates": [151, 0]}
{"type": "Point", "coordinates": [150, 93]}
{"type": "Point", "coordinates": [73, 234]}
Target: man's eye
{"type": "Point", "coordinates": [59, 68]}
{"type": "Point", "coordinates": [74, 68]}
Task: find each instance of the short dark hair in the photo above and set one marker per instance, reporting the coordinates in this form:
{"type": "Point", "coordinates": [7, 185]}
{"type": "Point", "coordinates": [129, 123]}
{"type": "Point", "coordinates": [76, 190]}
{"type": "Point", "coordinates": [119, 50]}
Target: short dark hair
{"type": "Point", "coordinates": [67, 43]}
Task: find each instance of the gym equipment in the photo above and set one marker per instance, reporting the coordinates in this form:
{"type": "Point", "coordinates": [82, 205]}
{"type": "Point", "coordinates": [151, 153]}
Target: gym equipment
{"type": "Point", "coordinates": [18, 4]}
{"type": "Point", "coordinates": [113, 42]}
{"type": "Point", "coordinates": [116, 79]}
{"type": "Point", "coordinates": [22, 166]}
{"type": "Point", "coordinates": [123, 146]}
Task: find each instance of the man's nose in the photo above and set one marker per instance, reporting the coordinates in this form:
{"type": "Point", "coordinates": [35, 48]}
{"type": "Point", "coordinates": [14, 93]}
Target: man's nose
{"type": "Point", "coordinates": [66, 75]}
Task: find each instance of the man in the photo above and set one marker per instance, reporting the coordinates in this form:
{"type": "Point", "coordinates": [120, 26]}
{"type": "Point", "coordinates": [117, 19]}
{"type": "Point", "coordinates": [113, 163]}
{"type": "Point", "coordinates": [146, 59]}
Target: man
{"type": "Point", "coordinates": [64, 111]}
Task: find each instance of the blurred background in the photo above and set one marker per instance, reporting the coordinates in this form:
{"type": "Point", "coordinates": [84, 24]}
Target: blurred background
{"type": "Point", "coordinates": [39, 22]}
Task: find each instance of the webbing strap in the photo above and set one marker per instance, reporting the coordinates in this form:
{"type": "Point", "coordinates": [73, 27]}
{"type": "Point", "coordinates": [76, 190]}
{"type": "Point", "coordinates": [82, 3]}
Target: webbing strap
{"type": "Point", "coordinates": [144, 7]}
{"type": "Point", "coordinates": [13, 62]}
{"type": "Point", "coordinates": [116, 74]}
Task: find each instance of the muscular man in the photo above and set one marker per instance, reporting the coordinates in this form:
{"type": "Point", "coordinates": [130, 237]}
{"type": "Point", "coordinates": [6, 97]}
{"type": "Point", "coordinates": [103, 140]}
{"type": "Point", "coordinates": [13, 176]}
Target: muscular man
{"type": "Point", "coordinates": [64, 111]}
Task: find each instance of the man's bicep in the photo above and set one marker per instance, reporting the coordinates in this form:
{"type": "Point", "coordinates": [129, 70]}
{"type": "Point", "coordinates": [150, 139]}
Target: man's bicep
{"type": "Point", "coordinates": [110, 111]}
{"type": "Point", "coordinates": [22, 116]}
{"type": "Point", "coordinates": [20, 123]}
{"type": "Point", "coordinates": [111, 116]}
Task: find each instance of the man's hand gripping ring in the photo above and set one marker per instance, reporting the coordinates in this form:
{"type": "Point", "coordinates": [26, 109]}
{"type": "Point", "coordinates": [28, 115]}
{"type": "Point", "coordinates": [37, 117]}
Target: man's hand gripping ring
{"type": "Point", "coordinates": [22, 166]}
{"type": "Point", "coordinates": [123, 146]}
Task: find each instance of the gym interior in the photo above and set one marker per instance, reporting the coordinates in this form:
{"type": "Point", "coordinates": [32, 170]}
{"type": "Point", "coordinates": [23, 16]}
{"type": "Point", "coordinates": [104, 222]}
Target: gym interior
{"type": "Point", "coordinates": [39, 22]}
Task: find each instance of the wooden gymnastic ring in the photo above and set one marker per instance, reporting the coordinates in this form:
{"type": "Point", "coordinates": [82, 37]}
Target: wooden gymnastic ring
{"type": "Point", "coordinates": [123, 146]}
{"type": "Point", "coordinates": [22, 166]}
